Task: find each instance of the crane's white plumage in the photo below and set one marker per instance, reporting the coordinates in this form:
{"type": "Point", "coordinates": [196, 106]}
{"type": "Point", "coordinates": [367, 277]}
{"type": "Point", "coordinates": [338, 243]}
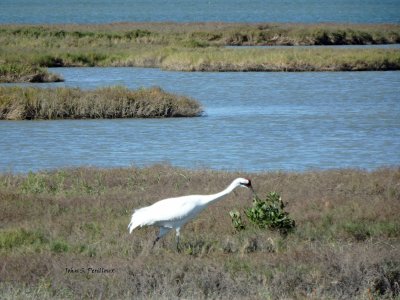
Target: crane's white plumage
{"type": "Point", "coordinates": [173, 213]}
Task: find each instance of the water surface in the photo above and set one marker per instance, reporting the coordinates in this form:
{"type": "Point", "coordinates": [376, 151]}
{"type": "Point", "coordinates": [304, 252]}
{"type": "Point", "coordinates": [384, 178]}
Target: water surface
{"type": "Point", "coordinates": [252, 122]}
{"type": "Point", "coordinates": [104, 11]}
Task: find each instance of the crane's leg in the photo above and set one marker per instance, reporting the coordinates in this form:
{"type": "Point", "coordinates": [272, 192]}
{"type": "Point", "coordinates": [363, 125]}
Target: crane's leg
{"type": "Point", "coordinates": [178, 238]}
{"type": "Point", "coordinates": [155, 241]}
{"type": "Point", "coordinates": [163, 231]}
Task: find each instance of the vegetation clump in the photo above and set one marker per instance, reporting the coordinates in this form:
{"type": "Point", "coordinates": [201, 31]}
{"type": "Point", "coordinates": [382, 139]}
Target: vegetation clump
{"type": "Point", "coordinates": [237, 221]}
{"type": "Point", "coordinates": [20, 103]}
{"type": "Point", "coordinates": [19, 72]}
{"type": "Point", "coordinates": [269, 213]}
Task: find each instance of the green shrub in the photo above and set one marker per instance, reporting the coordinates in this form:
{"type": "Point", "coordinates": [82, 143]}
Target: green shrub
{"type": "Point", "coordinates": [269, 213]}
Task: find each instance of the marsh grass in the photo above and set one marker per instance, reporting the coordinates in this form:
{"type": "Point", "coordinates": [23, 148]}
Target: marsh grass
{"type": "Point", "coordinates": [18, 103]}
{"type": "Point", "coordinates": [198, 34]}
{"type": "Point", "coordinates": [345, 245]}
{"type": "Point", "coordinates": [19, 72]}
{"type": "Point", "coordinates": [289, 60]}
{"type": "Point", "coordinates": [219, 59]}
{"type": "Point", "coordinates": [26, 49]}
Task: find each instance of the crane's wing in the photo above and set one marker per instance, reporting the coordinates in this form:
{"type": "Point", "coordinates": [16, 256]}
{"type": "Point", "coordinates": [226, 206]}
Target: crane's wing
{"type": "Point", "coordinates": [166, 212]}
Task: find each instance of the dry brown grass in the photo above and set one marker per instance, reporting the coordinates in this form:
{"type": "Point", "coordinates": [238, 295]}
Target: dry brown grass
{"type": "Point", "coordinates": [18, 103]}
{"type": "Point", "coordinates": [346, 243]}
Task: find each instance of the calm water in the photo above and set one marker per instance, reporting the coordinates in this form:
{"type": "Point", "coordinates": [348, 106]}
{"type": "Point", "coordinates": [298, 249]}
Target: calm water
{"type": "Point", "coordinates": [104, 11]}
{"type": "Point", "coordinates": [252, 122]}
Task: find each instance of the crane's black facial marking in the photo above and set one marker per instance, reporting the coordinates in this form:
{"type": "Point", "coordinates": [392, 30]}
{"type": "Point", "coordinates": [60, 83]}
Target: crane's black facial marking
{"type": "Point", "coordinates": [248, 185]}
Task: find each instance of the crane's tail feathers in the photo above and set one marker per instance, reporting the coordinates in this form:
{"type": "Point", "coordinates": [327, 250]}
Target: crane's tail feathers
{"type": "Point", "coordinates": [138, 219]}
{"type": "Point", "coordinates": [132, 226]}
{"type": "Point", "coordinates": [134, 223]}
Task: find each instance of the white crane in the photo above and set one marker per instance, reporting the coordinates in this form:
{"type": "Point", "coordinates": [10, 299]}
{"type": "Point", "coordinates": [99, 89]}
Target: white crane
{"type": "Point", "coordinates": [173, 213]}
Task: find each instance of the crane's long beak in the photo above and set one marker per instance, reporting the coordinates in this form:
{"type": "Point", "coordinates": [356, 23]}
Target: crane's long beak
{"type": "Point", "coordinates": [253, 191]}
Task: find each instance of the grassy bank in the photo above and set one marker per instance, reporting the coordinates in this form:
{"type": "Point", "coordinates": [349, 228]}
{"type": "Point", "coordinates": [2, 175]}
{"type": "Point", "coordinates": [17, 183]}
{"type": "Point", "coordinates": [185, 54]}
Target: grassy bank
{"type": "Point", "coordinates": [18, 72]}
{"type": "Point", "coordinates": [193, 47]}
{"type": "Point", "coordinates": [289, 60]}
{"type": "Point", "coordinates": [199, 34]}
{"type": "Point", "coordinates": [345, 245]}
{"type": "Point", "coordinates": [19, 103]}
{"type": "Point", "coordinates": [223, 59]}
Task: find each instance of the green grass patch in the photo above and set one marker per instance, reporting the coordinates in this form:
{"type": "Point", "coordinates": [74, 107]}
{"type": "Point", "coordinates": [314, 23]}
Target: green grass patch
{"type": "Point", "coordinates": [15, 238]}
{"type": "Point", "coordinates": [34, 183]}
{"type": "Point", "coordinates": [361, 230]}
{"type": "Point", "coordinates": [59, 246]}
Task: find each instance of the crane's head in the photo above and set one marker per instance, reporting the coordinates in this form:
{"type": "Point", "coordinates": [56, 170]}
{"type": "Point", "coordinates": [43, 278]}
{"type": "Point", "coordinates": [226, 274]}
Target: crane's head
{"type": "Point", "coordinates": [245, 182]}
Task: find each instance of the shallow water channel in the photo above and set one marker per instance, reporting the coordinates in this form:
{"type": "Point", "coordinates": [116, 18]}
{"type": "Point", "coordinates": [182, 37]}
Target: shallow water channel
{"type": "Point", "coordinates": [252, 122]}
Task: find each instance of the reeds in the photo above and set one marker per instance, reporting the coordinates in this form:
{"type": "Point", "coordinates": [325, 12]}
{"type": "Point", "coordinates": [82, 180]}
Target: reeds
{"type": "Point", "coordinates": [223, 59]}
{"type": "Point", "coordinates": [26, 49]}
{"type": "Point", "coordinates": [222, 34]}
{"type": "Point", "coordinates": [345, 244]}
{"type": "Point", "coordinates": [291, 60]}
{"type": "Point", "coordinates": [18, 103]}
{"type": "Point", "coordinates": [19, 72]}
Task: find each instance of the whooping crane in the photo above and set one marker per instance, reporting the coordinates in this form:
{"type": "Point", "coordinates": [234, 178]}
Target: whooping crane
{"type": "Point", "coordinates": [173, 213]}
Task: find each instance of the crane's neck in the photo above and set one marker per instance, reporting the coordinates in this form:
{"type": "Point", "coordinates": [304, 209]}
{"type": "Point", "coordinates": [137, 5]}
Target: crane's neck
{"type": "Point", "coordinates": [218, 196]}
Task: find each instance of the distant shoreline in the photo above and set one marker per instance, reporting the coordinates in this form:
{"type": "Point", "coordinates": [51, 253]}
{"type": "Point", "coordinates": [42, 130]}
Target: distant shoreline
{"type": "Point", "coordinates": [27, 49]}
